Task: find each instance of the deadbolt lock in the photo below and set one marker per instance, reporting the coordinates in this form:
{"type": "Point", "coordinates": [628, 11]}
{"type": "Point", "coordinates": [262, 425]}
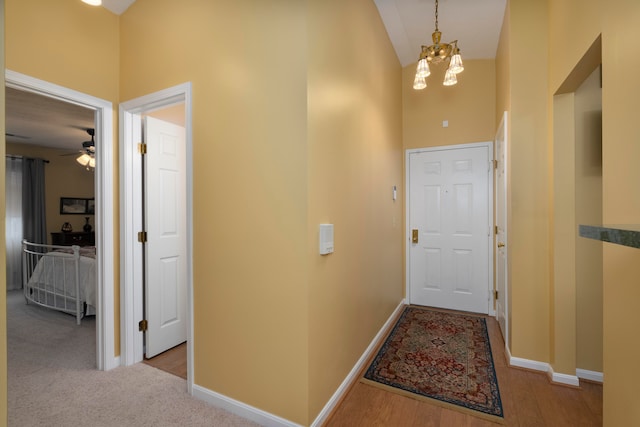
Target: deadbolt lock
{"type": "Point", "coordinates": [414, 235]}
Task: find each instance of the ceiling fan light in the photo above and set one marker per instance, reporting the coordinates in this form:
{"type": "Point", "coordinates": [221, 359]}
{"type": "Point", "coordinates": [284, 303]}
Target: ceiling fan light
{"type": "Point", "coordinates": [93, 2]}
{"type": "Point", "coordinates": [84, 159]}
{"type": "Point", "coordinates": [92, 162]}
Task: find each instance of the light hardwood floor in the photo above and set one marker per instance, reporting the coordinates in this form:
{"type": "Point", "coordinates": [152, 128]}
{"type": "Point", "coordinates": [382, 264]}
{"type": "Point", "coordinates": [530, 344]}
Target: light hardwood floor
{"type": "Point", "coordinates": [173, 361]}
{"type": "Point", "coordinates": [528, 399]}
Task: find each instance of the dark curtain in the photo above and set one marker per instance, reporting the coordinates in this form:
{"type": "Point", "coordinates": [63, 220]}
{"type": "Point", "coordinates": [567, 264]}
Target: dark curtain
{"type": "Point", "coordinates": [34, 219]}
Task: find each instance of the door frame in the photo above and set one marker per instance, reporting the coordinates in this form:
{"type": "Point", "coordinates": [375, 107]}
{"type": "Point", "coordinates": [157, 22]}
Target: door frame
{"type": "Point", "coordinates": [104, 219]}
{"type": "Point", "coordinates": [490, 189]}
{"type": "Point", "coordinates": [131, 296]}
{"type": "Point", "coordinates": [503, 128]}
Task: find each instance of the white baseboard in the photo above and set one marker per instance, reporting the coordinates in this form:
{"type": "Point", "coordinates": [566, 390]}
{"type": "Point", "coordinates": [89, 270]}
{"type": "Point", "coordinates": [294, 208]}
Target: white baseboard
{"type": "Point", "coordinates": [115, 362]}
{"type": "Point", "coordinates": [242, 409]}
{"type": "Point", "coordinates": [534, 365]}
{"type": "Point", "coordinates": [337, 396]}
{"type": "Point", "coordinates": [571, 380]}
{"type": "Point", "coordinates": [269, 420]}
{"type": "Point", "coordinates": [529, 364]}
{"type": "Point", "coordinates": [594, 376]}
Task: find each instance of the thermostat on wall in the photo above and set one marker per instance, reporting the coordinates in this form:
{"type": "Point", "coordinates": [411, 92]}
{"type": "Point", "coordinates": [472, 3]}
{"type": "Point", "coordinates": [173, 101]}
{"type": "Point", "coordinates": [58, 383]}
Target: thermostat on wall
{"type": "Point", "coordinates": [326, 239]}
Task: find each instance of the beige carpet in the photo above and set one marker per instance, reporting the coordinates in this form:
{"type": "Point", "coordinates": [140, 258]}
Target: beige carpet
{"type": "Point", "coordinates": [52, 380]}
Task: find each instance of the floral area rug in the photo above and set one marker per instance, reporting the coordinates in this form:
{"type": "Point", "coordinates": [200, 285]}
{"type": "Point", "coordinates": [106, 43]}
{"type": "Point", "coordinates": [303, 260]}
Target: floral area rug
{"type": "Point", "coordinates": [441, 356]}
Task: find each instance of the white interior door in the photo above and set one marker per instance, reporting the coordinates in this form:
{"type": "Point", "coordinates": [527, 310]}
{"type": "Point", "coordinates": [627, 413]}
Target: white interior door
{"type": "Point", "coordinates": [166, 248]}
{"type": "Point", "coordinates": [449, 228]}
{"type": "Point", "coordinates": [501, 226]}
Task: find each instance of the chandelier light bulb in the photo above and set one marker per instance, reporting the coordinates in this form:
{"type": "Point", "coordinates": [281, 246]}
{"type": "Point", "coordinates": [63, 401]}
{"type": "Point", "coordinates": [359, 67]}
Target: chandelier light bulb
{"type": "Point", "coordinates": [456, 64]}
{"type": "Point", "coordinates": [423, 68]}
{"type": "Point", "coordinates": [93, 2]}
{"type": "Point", "coordinates": [419, 83]}
{"type": "Point", "coordinates": [450, 78]}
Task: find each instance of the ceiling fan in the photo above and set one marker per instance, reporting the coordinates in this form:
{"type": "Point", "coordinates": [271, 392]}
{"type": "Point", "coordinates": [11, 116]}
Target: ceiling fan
{"type": "Point", "coordinates": [87, 154]}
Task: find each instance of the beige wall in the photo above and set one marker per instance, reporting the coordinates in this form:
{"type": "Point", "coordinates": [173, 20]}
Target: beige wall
{"type": "Point", "coordinates": [529, 193]}
{"type": "Point", "coordinates": [247, 64]}
{"type": "Point", "coordinates": [355, 159]}
{"type": "Point", "coordinates": [588, 198]}
{"type": "Point", "coordinates": [468, 106]}
{"type": "Point", "coordinates": [306, 131]}
{"type": "Point", "coordinates": [64, 177]}
{"type": "Point", "coordinates": [64, 42]}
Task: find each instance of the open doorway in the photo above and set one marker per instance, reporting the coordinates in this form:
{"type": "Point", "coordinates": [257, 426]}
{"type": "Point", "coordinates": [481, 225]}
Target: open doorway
{"type": "Point", "coordinates": [170, 107]}
{"type": "Point", "coordinates": [577, 186]}
{"type": "Point", "coordinates": [103, 196]}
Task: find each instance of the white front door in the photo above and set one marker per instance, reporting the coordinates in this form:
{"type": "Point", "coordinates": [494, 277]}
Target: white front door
{"type": "Point", "coordinates": [449, 227]}
{"type": "Point", "coordinates": [166, 249]}
{"type": "Point", "coordinates": [501, 226]}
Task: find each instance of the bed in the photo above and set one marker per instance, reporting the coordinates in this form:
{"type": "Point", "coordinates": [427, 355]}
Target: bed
{"type": "Point", "coordinates": [61, 278]}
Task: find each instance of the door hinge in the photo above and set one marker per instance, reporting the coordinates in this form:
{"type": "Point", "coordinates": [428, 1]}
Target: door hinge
{"type": "Point", "coordinates": [142, 148]}
{"type": "Point", "coordinates": [495, 294]}
{"type": "Point", "coordinates": [495, 164]}
{"type": "Point", "coordinates": [143, 325]}
{"type": "Point", "coordinates": [142, 236]}
{"type": "Point", "coordinates": [496, 229]}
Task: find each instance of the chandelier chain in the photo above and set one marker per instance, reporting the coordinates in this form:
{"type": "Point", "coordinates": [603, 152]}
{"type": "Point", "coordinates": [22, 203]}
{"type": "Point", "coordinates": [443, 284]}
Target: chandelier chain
{"type": "Point", "coordinates": [436, 15]}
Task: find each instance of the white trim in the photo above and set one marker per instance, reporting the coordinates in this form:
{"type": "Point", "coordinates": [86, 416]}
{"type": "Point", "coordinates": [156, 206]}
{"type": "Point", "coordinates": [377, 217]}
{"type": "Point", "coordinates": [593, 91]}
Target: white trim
{"type": "Point", "coordinates": [529, 364]}
{"type": "Point", "coordinates": [353, 375]}
{"type": "Point", "coordinates": [534, 365]}
{"type": "Point", "coordinates": [256, 415]}
{"type": "Point", "coordinates": [590, 375]}
{"type": "Point", "coordinates": [105, 348]}
{"type": "Point", "coordinates": [504, 127]}
{"type": "Point", "coordinates": [490, 195]}
{"type": "Point", "coordinates": [131, 296]}
{"type": "Point", "coordinates": [571, 380]}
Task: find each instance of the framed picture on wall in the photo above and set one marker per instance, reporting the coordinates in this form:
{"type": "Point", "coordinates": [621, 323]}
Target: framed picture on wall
{"type": "Point", "coordinates": [76, 206]}
{"type": "Point", "coordinates": [91, 206]}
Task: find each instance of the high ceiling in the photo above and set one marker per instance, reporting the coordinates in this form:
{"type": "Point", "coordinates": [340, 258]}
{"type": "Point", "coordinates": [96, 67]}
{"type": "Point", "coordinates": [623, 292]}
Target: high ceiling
{"type": "Point", "coordinates": [476, 24]}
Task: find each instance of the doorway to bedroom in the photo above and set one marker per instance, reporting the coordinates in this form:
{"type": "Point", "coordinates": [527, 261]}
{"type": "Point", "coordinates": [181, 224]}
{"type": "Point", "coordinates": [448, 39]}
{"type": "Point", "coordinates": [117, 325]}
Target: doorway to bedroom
{"type": "Point", "coordinates": [34, 109]}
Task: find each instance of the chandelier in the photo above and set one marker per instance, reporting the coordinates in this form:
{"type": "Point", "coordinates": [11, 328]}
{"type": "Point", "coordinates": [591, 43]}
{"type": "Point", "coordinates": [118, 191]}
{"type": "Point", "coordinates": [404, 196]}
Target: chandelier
{"type": "Point", "coordinates": [436, 53]}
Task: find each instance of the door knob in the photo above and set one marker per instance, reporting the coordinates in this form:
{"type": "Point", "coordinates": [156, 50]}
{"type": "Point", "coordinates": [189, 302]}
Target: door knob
{"type": "Point", "coordinates": [500, 245]}
{"type": "Point", "coordinates": [414, 235]}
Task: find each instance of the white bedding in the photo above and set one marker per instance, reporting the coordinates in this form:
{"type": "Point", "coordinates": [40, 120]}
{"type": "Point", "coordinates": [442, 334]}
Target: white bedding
{"type": "Point", "coordinates": [57, 270]}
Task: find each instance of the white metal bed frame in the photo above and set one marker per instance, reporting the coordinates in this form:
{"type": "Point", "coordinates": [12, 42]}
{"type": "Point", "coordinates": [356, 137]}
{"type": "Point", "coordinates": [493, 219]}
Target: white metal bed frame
{"type": "Point", "coordinates": [57, 291]}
